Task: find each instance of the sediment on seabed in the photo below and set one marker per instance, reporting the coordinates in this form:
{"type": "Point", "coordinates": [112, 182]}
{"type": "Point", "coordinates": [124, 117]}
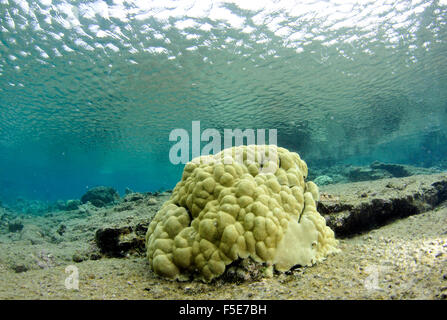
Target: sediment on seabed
{"type": "Point", "coordinates": [392, 231]}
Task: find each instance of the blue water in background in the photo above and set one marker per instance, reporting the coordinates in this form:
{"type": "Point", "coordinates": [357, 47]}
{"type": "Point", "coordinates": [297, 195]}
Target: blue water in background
{"type": "Point", "coordinates": [36, 174]}
{"type": "Point", "coordinates": [90, 90]}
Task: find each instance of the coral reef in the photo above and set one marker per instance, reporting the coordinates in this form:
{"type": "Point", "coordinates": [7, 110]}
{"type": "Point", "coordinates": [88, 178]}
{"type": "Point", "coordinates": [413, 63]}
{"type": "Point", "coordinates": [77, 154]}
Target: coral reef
{"type": "Point", "coordinates": [244, 202]}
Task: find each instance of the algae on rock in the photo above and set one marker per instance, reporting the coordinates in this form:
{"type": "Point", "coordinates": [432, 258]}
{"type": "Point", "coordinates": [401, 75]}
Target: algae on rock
{"type": "Point", "coordinates": [244, 202]}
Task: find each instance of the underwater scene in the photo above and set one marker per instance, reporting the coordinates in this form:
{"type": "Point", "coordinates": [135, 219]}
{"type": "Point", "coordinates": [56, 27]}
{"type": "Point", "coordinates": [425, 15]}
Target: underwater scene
{"type": "Point", "coordinates": [229, 150]}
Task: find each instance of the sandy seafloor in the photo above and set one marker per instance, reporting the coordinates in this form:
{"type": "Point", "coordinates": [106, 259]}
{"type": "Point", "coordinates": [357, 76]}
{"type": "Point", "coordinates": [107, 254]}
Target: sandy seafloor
{"type": "Point", "coordinates": [406, 259]}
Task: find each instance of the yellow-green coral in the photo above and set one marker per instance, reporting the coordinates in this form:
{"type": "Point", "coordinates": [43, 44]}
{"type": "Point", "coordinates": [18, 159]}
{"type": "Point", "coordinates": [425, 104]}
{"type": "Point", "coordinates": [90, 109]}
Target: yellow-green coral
{"type": "Point", "coordinates": [246, 201]}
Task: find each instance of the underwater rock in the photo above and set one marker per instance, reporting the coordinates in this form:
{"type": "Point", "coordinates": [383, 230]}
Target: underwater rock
{"type": "Point", "coordinates": [244, 202]}
{"type": "Point", "coordinates": [342, 173]}
{"type": "Point", "coordinates": [87, 209]}
{"type": "Point", "coordinates": [151, 201]}
{"type": "Point", "coordinates": [396, 170]}
{"type": "Point", "coordinates": [101, 196]}
{"type": "Point", "coordinates": [356, 174]}
{"type": "Point", "coordinates": [135, 196]}
{"type": "Point", "coordinates": [78, 257]}
{"type": "Point", "coordinates": [323, 180]}
{"type": "Point", "coordinates": [92, 252]}
{"type": "Point", "coordinates": [378, 202]}
{"type": "Point", "coordinates": [401, 170]}
{"type": "Point", "coordinates": [15, 225]}
{"type": "Point", "coordinates": [247, 270]}
{"type": "Point", "coordinates": [133, 200]}
{"type": "Point", "coordinates": [72, 205]}
{"type": "Point", "coordinates": [19, 268]}
{"type": "Point", "coordinates": [117, 241]}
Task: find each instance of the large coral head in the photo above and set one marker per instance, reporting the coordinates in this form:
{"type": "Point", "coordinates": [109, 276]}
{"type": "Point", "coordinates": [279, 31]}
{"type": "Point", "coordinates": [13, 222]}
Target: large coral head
{"type": "Point", "coordinates": [244, 202]}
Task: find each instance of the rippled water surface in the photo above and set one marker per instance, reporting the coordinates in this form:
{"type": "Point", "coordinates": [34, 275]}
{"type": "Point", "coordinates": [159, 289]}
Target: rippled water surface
{"type": "Point", "coordinates": [90, 90]}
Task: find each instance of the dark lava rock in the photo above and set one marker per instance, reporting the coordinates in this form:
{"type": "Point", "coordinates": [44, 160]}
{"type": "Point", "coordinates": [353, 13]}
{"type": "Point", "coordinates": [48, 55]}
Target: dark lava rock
{"type": "Point", "coordinates": [100, 196]}
{"type": "Point", "coordinates": [116, 241]}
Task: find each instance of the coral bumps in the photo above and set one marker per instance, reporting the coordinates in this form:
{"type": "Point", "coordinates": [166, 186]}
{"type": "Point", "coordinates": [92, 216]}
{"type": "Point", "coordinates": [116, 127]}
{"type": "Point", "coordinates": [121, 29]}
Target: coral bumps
{"type": "Point", "coordinates": [244, 202]}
